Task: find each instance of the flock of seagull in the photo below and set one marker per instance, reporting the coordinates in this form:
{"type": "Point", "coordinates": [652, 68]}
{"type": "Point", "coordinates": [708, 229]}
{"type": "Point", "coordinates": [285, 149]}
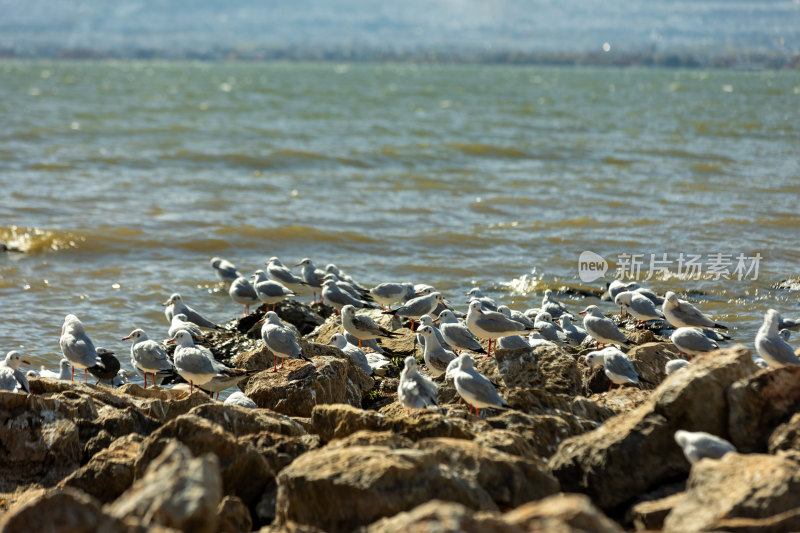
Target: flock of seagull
{"type": "Point", "coordinates": [447, 342]}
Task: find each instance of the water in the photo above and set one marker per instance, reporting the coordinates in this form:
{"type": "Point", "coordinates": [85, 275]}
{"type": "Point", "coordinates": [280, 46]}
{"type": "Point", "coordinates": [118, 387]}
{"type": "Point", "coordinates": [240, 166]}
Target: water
{"type": "Point", "coordinates": [121, 180]}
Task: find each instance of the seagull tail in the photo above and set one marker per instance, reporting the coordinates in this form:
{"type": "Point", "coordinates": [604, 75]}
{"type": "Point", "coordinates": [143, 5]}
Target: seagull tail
{"type": "Point", "coordinates": [389, 312]}
{"type": "Point", "coordinates": [304, 358]}
{"type": "Point", "coordinates": [720, 326]}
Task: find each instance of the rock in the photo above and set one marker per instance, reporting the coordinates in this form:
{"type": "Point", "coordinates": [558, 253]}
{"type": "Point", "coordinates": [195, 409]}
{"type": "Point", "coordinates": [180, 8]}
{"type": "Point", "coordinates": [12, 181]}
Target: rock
{"type": "Point", "coordinates": [508, 479]}
{"type": "Point", "coordinates": [234, 517]}
{"type": "Point", "coordinates": [786, 436]}
{"type": "Point", "coordinates": [572, 513]}
{"type": "Point", "coordinates": [544, 368]}
{"type": "Point", "coordinates": [373, 438]}
{"type": "Point", "coordinates": [245, 472]}
{"type": "Point", "coordinates": [243, 421]}
{"type": "Point", "coordinates": [360, 484]}
{"type": "Point", "coordinates": [109, 473]}
{"type": "Point", "coordinates": [649, 515]}
{"type": "Point", "coordinates": [304, 318]}
{"type": "Point", "coordinates": [622, 400]}
{"type": "Point", "coordinates": [63, 510]}
{"type": "Point", "coordinates": [338, 421]}
{"type": "Point", "coordinates": [442, 516]}
{"type": "Point", "coordinates": [650, 359]}
{"type": "Point", "coordinates": [752, 486]}
{"type": "Point", "coordinates": [541, 433]}
{"type": "Point", "coordinates": [759, 403]}
{"type": "Point", "coordinates": [634, 451]}
{"type": "Point", "coordinates": [507, 441]}
{"type": "Point", "coordinates": [176, 491]}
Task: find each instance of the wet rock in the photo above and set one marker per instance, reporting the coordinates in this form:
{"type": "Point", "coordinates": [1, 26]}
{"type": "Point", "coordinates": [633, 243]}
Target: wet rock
{"type": "Point", "coordinates": [573, 513]}
{"type": "Point", "coordinates": [759, 403]}
{"type": "Point", "coordinates": [508, 479]}
{"type": "Point", "coordinates": [234, 517]}
{"type": "Point", "coordinates": [338, 421]}
{"type": "Point", "coordinates": [786, 436]}
{"type": "Point", "coordinates": [109, 473]}
{"type": "Point", "coordinates": [442, 516]}
{"type": "Point", "coordinates": [176, 490]}
{"type": "Point", "coordinates": [634, 451]}
{"type": "Point", "coordinates": [245, 471]}
{"type": "Point", "coordinates": [360, 484]}
{"type": "Point", "coordinates": [63, 510]}
{"type": "Point", "coordinates": [752, 486]}
{"type": "Point", "coordinates": [299, 386]}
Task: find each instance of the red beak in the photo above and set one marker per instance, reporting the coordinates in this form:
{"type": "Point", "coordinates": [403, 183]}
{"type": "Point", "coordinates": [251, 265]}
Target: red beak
{"type": "Point", "coordinates": [125, 339]}
{"type": "Point", "coordinates": [26, 362]}
{"type": "Point", "coordinates": [170, 341]}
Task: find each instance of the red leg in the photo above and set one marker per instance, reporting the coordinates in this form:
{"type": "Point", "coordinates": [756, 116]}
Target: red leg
{"type": "Point", "coordinates": [275, 363]}
{"type": "Point", "coordinates": [85, 375]}
{"type": "Point", "coordinates": [73, 373]}
{"type": "Point", "coordinates": [477, 412]}
{"type": "Point", "coordinates": [610, 385]}
{"type": "Point", "coordinates": [191, 386]}
{"type": "Point", "coordinates": [359, 343]}
{"type": "Point", "coordinates": [145, 379]}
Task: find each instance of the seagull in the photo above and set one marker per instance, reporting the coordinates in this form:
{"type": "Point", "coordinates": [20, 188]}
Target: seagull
{"type": "Point", "coordinates": [63, 372]}
{"type": "Point", "coordinates": [618, 367]}
{"type": "Point", "coordinates": [224, 269]}
{"type": "Point", "coordinates": [681, 313]}
{"type": "Point", "coordinates": [330, 268]}
{"type": "Point", "coordinates": [792, 324]}
{"type": "Point", "coordinates": [436, 357]}
{"type": "Point", "coordinates": [387, 294]}
{"type": "Point", "coordinates": [268, 291]}
{"type": "Point", "coordinates": [771, 346]}
{"type": "Point", "coordinates": [426, 320]}
{"type": "Point", "coordinates": [77, 347]}
{"type": "Point", "coordinates": [120, 379]}
{"type": "Point", "coordinates": [486, 303]}
{"type": "Point", "coordinates": [692, 341]}
{"type": "Point", "coordinates": [345, 286]}
{"type": "Point", "coordinates": [370, 344]}
{"type": "Point", "coordinates": [181, 321]}
{"type": "Point", "coordinates": [277, 272]}
{"type": "Point", "coordinates": [242, 292]}
{"type": "Point", "coordinates": [616, 287]}
{"type": "Point", "coordinates": [639, 306]}
{"type": "Point", "coordinates": [550, 305]}
{"type": "Point", "coordinates": [415, 391]}
{"type": "Point", "coordinates": [490, 324]}
{"type": "Point", "coordinates": [353, 352]}
{"type": "Point", "coordinates": [535, 340]}
{"type": "Point", "coordinates": [148, 355]}
{"type": "Point", "coordinates": [649, 294]}
{"type": "Point", "coordinates": [572, 333]}
{"type": "Point", "coordinates": [333, 296]}
{"type": "Point", "coordinates": [196, 364]}
{"type": "Point", "coordinates": [226, 379]}
{"type": "Point", "coordinates": [312, 276]}
{"type": "Point", "coordinates": [238, 398]}
{"type": "Point", "coordinates": [175, 306]}
{"type": "Point", "coordinates": [11, 377]}
{"type": "Point", "coordinates": [416, 307]}
{"type": "Point", "coordinates": [457, 334]}
{"type": "Point", "coordinates": [516, 316]}
{"type": "Point", "coordinates": [279, 340]}
{"type": "Point", "coordinates": [363, 327]}
{"type": "Point", "coordinates": [601, 329]}
{"type": "Point", "coordinates": [378, 363]}
{"type": "Point", "coordinates": [675, 365]}
{"type": "Point", "coordinates": [108, 368]}
{"type": "Point", "coordinates": [698, 445]}
{"type": "Point", "coordinates": [473, 387]}
{"type": "Point", "coordinates": [546, 327]}
{"type": "Point", "coordinates": [512, 342]}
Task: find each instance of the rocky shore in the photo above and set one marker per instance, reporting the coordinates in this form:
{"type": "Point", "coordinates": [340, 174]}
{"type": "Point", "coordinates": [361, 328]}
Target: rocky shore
{"type": "Point", "coordinates": [330, 449]}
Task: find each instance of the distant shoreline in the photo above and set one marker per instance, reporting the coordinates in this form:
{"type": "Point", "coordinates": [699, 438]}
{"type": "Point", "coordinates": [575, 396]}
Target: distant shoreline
{"type": "Point", "coordinates": [736, 60]}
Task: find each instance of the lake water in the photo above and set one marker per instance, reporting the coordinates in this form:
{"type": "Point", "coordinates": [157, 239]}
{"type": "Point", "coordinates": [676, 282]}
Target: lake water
{"type": "Point", "coordinates": [121, 180]}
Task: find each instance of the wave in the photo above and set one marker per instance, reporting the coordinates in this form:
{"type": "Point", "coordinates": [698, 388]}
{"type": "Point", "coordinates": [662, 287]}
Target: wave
{"type": "Point", "coordinates": [488, 150]}
{"type": "Point", "coordinates": [279, 159]}
{"type": "Point", "coordinates": [37, 240]}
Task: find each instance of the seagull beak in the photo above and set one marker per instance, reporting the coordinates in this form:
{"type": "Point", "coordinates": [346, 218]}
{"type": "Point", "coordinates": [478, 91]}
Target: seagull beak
{"type": "Point", "coordinates": [26, 362]}
{"type": "Point", "coordinates": [125, 339]}
{"type": "Point", "coordinates": [582, 313]}
{"type": "Point", "coordinates": [165, 303]}
{"type": "Point", "coordinates": [170, 341]}
{"type": "Point", "coordinates": [479, 311]}
{"type": "Point", "coordinates": [298, 264]}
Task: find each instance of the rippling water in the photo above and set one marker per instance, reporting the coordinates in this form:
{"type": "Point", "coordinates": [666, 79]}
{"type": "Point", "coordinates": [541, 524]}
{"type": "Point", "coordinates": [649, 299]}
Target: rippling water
{"type": "Point", "coordinates": [121, 180]}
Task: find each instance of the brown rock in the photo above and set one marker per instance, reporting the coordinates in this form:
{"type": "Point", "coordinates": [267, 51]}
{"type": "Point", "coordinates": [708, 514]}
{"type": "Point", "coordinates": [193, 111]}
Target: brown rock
{"type": "Point", "coordinates": [650, 515]}
{"type": "Point", "coordinates": [64, 510]}
{"type": "Point", "coordinates": [632, 452]}
{"type": "Point", "coordinates": [176, 491]}
{"type": "Point", "coordinates": [372, 438]}
{"type": "Point", "coordinates": [358, 485]}
{"type": "Point", "coordinates": [234, 517]}
{"type": "Point", "coordinates": [752, 486]}
{"type": "Point", "coordinates": [759, 403]}
{"type": "Point", "coordinates": [110, 472]}
{"type": "Point", "coordinates": [573, 513]}
{"type": "Point", "coordinates": [440, 516]}
{"type": "Point", "coordinates": [507, 441]}
{"type": "Point", "coordinates": [786, 436]}
{"type": "Point", "coordinates": [243, 421]}
{"type": "Point", "coordinates": [508, 479]}
{"type": "Point", "coordinates": [650, 359]}
{"type": "Point", "coordinates": [542, 433]}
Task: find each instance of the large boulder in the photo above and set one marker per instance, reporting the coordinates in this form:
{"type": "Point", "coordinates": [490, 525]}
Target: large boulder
{"type": "Point", "coordinates": [632, 452]}
{"type": "Point", "coordinates": [786, 436]}
{"type": "Point", "coordinates": [442, 516]}
{"type": "Point", "coordinates": [176, 490]}
{"type": "Point", "coordinates": [752, 486]}
{"type": "Point", "coordinates": [568, 513]}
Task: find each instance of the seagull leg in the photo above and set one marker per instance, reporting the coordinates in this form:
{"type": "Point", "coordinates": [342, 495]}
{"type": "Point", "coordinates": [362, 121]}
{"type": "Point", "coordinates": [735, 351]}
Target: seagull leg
{"type": "Point", "coordinates": [610, 385]}
{"type": "Point", "coordinates": [275, 363]}
{"type": "Point", "coordinates": [191, 386]}
{"type": "Point", "coordinates": [73, 373]}
{"type": "Point", "coordinates": [145, 380]}
{"type": "Point", "coordinates": [359, 343]}
{"type": "Point", "coordinates": [217, 395]}
{"type": "Point", "coordinates": [85, 376]}
{"type": "Point", "coordinates": [246, 310]}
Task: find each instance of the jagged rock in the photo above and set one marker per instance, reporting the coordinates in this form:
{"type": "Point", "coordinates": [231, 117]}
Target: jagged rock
{"type": "Point", "coordinates": [508, 479]}
{"type": "Point", "coordinates": [109, 473]}
{"type": "Point", "coordinates": [568, 513]}
{"type": "Point", "coordinates": [338, 421]}
{"type": "Point", "coordinates": [64, 510]}
{"type": "Point", "coordinates": [507, 441]}
{"type": "Point", "coordinates": [290, 527]}
{"type": "Point", "coordinates": [786, 436]}
{"type": "Point", "coordinates": [634, 451]}
{"type": "Point", "coordinates": [542, 433]}
{"type": "Point", "coordinates": [37, 439]}
{"type": "Point", "coordinates": [242, 421]}
{"type": "Point", "coordinates": [245, 471]}
{"type": "Point", "coordinates": [759, 403]}
{"type": "Point", "coordinates": [622, 400]}
{"type": "Point", "coordinates": [300, 386]}
{"type": "Point", "coordinates": [372, 438]}
{"type": "Point", "coordinates": [234, 517]}
{"type": "Point", "coordinates": [650, 359]}
{"type": "Point", "coordinates": [442, 516]}
{"type": "Point", "coordinates": [176, 491]}
{"type": "Point", "coordinates": [649, 515]}
{"type": "Point", "coordinates": [752, 486]}
{"type": "Point", "coordinates": [360, 484]}
{"type": "Point", "coordinates": [544, 368]}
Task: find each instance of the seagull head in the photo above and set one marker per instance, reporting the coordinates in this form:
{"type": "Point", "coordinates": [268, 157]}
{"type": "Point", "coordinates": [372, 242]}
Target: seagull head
{"type": "Point", "coordinates": [136, 335]}
{"type": "Point", "coordinates": [175, 298]}
{"type": "Point", "coordinates": [14, 359]}
{"type": "Point", "coordinates": [475, 305]}
{"type": "Point", "coordinates": [338, 341]}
